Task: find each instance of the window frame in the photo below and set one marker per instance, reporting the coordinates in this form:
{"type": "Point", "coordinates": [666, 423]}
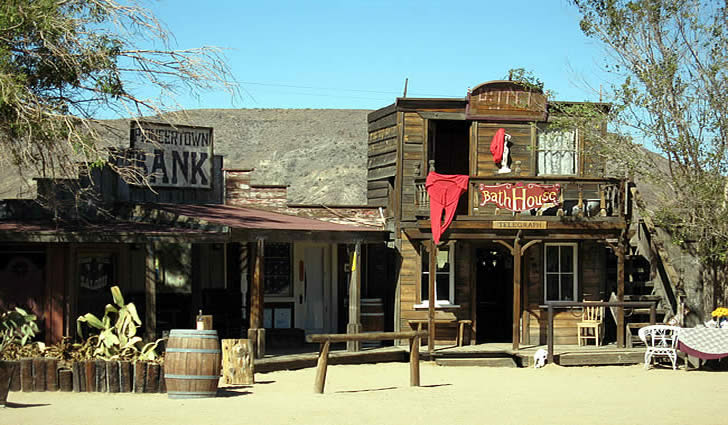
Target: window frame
{"type": "Point", "coordinates": [439, 303]}
{"type": "Point", "coordinates": [267, 272]}
{"type": "Point", "coordinates": [541, 151]}
{"type": "Point", "coordinates": [575, 270]}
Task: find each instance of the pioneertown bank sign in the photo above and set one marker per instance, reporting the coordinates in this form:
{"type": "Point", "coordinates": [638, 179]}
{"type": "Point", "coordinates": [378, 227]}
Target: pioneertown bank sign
{"type": "Point", "coordinates": [519, 196]}
{"type": "Point", "coordinates": [174, 156]}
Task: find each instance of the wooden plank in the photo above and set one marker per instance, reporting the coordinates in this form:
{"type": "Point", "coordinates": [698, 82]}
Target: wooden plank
{"type": "Point", "coordinates": [101, 376]}
{"type": "Point", "coordinates": [112, 374]}
{"type": "Point", "coordinates": [382, 172]}
{"type": "Point", "coordinates": [364, 336]}
{"type": "Point", "coordinates": [126, 377]}
{"type": "Point", "coordinates": [385, 146]}
{"type": "Point", "coordinates": [152, 378]}
{"type": "Point", "coordinates": [39, 374]}
{"type": "Point", "coordinates": [381, 112]}
{"type": "Point", "coordinates": [378, 193]}
{"type": "Point", "coordinates": [382, 160]}
{"type": "Point", "coordinates": [140, 375]}
{"type": "Point", "coordinates": [385, 121]}
{"type": "Point", "coordinates": [378, 202]}
{"type": "Point", "coordinates": [434, 115]}
{"type": "Point", "coordinates": [383, 134]}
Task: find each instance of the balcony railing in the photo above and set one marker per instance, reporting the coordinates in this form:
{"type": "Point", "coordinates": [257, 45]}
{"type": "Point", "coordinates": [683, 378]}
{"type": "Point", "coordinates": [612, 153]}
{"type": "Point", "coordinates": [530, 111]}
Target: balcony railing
{"type": "Point", "coordinates": [578, 196]}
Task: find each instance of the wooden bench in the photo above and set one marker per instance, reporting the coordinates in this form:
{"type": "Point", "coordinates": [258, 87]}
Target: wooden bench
{"type": "Point", "coordinates": [444, 321]}
{"type": "Point", "coordinates": [326, 339]}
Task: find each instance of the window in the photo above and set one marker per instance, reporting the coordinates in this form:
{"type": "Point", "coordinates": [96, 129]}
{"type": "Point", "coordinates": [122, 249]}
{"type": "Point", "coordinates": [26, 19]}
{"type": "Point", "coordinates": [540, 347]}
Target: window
{"type": "Point", "coordinates": [444, 276]}
{"type": "Point", "coordinates": [277, 270]}
{"type": "Point", "coordinates": [560, 279]}
{"type": "Point", "coordinates": [557, 154]}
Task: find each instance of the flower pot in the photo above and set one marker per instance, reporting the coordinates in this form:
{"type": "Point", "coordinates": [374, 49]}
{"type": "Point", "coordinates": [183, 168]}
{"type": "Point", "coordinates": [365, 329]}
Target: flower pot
{"type": "Point", "coordinates": [6, 374]}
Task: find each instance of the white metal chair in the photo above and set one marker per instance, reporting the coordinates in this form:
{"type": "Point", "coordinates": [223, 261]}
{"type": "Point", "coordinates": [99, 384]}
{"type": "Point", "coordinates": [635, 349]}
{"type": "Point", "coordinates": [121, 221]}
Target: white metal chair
{"type": "Point", "coordinates": [661, 340]}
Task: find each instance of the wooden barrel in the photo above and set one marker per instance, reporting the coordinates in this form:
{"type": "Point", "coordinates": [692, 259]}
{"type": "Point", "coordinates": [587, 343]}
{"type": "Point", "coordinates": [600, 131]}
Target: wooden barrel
{"type": "Point", "coordinates": [192, 363]}
{"type": "Point", "coordinates": [372, 315]}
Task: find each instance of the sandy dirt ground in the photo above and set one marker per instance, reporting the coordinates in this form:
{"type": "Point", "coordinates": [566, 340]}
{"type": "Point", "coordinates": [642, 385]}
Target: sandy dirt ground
{"type": "Point", "coordinates": [380, 394]}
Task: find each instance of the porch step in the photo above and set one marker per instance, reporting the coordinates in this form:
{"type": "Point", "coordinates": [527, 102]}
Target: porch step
{"type": "Point", "coordinates": [481, 362]}
{"type": "Point", "coordinates": [598, 357]}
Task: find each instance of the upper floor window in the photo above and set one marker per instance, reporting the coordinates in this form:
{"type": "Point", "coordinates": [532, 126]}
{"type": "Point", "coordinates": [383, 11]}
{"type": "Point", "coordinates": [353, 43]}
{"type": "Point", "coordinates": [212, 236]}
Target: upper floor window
{"type": "Point", "coordinates": [444, 276]}
{"type": "Point", "coordinates": [557, 152]}
{"type": "Point", "coordinates": [560, 272]}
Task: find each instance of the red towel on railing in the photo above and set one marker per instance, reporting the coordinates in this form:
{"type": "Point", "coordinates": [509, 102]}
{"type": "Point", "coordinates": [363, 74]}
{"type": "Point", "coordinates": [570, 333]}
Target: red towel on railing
{"type": "Point", "coordinates": [497, 145]}
{"type": "Point", "coordinates": [444, 191]}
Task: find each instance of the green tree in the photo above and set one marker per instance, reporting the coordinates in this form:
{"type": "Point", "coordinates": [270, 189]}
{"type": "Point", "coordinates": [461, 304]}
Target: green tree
{"type": "Point", "coordinates": [65, 62]}
{"type": "Point", "coordinates": [670, 61]}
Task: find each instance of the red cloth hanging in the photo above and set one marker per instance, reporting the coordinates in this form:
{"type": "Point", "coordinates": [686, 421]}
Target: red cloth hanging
{"type": "Point", "coordinates": [497, 145]}
{"type": "Point", "coordinates": [444, 191]}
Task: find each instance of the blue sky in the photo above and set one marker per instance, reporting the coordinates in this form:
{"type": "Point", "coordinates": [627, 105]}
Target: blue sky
{"type": "Point", "coordinates": [357, 54]}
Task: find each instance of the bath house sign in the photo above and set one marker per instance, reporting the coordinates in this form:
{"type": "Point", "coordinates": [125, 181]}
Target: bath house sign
{"type": "Point", "coordinates": [519, 196]}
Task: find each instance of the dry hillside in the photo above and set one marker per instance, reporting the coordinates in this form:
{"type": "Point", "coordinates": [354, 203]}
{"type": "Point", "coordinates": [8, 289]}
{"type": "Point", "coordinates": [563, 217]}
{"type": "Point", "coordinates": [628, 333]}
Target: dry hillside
{"type": "Point", "coordinates": [320, 153]}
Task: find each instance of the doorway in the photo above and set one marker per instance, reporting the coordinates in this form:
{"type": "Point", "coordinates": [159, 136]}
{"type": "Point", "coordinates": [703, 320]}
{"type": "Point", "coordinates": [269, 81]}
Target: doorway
{"type": "Point", "coordinates": [494, 294]}
{"type": "Point", "coordinates": [449, 146]}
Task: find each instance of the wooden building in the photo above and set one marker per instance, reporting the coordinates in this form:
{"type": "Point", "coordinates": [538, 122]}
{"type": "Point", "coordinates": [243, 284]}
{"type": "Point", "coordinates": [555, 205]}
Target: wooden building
{"type": "Point", "coordinates": [180, 249]}
{"type": "Point", "coordinates": [542, 224]}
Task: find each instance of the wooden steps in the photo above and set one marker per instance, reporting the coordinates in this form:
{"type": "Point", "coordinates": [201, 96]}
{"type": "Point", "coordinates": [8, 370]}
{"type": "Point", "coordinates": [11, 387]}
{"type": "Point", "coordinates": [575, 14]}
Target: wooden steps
{"type": "Point", "coordinates": [601, 358]}
{"type": "Point", "coordinates": [479, 362]}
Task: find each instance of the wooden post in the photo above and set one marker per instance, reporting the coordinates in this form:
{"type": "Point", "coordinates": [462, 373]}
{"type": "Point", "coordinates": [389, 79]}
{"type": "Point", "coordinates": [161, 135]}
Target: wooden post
{"type": "Point", "coordinates": [26, 374]}
{"type": "Point", "coordinates": [140, 376]}
{"type": "Point", "coordinates": [90, 367]}
{"type": "Point", "coordinates": [415, 362]}
{"type": "Point", "coordinates": [432, 298]}
{"type": "Point", "coordinates": [256, 334]}
{"type": "Point", "coordinates": [112, 376]}
{"type": "Point", "coordinates": [237, 362]}
{"type": "Point", "coordinates": [39, 374]}
{"type": "Point", "coordinates": [354, 325]}
{"type": "Point", "coordinates": [621, 252]}
{"type": "Point", "coordinates": [323, 361]}
{"type": "Point", "coordinates": [51, 374]}
{"type": "Point", "coordinates": [150, 294]}
{"type": "Point", "coordinates": [550, 335]}
{"type": "Point", "coordinates": [517, 291]}
{"type": "Point", "coordinates": [126, 378]}
{"type": "Point", "coordinates": [152, 379]}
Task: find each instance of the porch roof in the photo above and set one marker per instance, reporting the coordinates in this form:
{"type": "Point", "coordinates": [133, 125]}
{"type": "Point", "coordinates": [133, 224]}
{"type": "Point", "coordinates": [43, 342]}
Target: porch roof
{"type": "Point", "coordinates": [246, 224]}
{"type": "Point", "coordinates": [111, 232]}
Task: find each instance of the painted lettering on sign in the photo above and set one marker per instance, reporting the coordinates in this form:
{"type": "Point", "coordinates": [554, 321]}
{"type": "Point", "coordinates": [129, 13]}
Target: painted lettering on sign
{"type": "Point", "coordinates": [174, 156]}
{"type": "Point", "coordinates": [519, 225]}
{"type": "Point", "coordinates": [519, 196]}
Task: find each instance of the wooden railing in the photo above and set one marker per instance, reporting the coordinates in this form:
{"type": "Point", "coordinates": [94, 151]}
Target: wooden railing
{"type": "Point", "coordinates": [326, 339]}
{"type": "Point", "coordinates": [579, 196]}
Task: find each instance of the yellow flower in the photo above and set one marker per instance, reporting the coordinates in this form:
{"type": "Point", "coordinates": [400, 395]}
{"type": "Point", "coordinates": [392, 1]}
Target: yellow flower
{"type": "Point", "coordinates": [719, 312]}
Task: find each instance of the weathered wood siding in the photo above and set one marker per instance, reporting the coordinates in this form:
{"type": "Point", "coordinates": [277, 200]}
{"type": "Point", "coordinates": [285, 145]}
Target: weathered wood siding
{"type": "Point", "coordinates": [592, 287]}
{"type": "Point", "coordinates": [112, 188]}
{"type": "Point", "coordinates": [409, 283]}
{"type": "Point", "coordinates": [415, 133]}
{"type": "Point", "coordinates": [521, 148]}
{"type": "Point", "coordinates": [508, 100]}
{"type": "Point", "coordinates": [382, 157]}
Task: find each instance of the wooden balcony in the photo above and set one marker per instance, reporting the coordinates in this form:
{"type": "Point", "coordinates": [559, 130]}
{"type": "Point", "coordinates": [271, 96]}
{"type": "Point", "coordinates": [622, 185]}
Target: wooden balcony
{"type": "Point", "coordinates": [587, 198]}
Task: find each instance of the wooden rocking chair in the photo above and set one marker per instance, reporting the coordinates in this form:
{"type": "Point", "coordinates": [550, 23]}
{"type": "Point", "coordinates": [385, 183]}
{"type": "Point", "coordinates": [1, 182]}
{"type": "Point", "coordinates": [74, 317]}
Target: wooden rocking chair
{"type": "Point", "coordinates": [591, 325]}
